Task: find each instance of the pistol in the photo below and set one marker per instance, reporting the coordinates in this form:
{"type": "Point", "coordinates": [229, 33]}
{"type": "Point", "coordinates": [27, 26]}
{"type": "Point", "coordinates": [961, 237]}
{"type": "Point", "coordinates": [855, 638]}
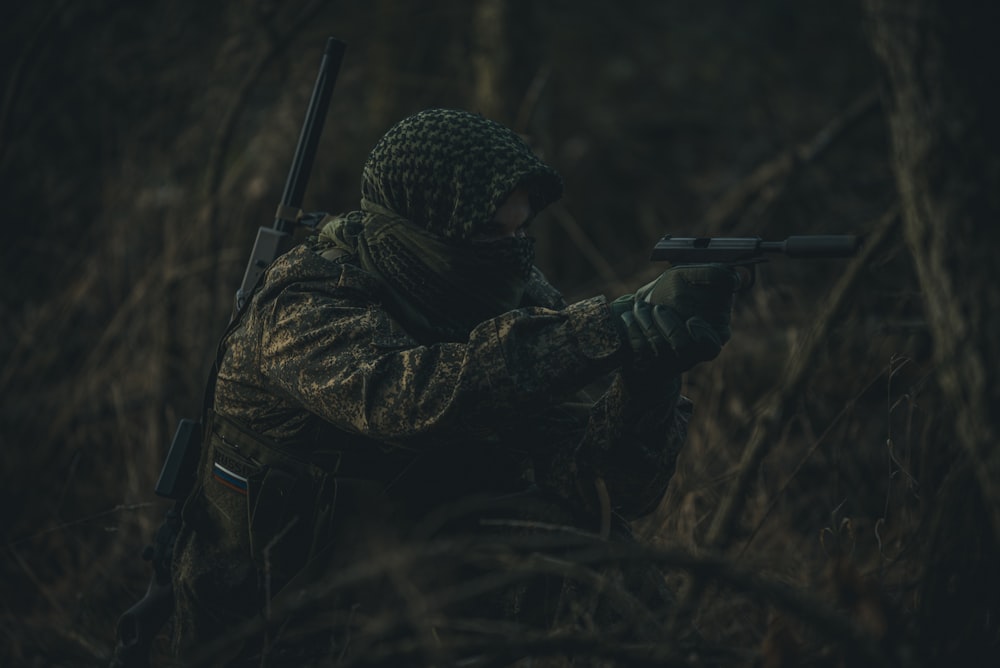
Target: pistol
{"type": "Point", "coordinates": [747, 252]}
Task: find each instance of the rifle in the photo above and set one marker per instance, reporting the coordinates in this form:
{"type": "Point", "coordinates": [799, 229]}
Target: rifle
{"type": "Point", "coordinates": [138, 626]}
{"type": "Point", "coordinates": [747, 252]}
{"type": "Point", "coordinates": [273, 241]}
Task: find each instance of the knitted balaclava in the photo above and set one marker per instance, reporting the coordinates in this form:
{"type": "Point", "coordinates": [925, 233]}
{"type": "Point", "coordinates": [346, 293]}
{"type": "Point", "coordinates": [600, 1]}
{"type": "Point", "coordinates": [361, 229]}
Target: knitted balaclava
{"type": "Point", "coordinates": [429, 186]}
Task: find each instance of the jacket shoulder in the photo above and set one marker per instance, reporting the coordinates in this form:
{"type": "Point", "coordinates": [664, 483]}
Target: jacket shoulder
{"type": "Point", "coordinates": [304, 267]}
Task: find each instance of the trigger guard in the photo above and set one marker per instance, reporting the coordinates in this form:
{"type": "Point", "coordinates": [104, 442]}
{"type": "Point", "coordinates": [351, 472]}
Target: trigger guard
{"type": "Point", "coordinates": [747, 277]}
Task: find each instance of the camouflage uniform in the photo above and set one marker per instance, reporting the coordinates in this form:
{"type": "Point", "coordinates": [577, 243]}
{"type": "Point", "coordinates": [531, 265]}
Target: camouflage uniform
{"type": "Point", "coordinates": [326, 405]}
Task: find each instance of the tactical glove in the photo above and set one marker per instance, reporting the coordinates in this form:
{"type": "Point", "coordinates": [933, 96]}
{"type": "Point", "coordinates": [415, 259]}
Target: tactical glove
{"type": "Point", "coordinates": [680, 319]}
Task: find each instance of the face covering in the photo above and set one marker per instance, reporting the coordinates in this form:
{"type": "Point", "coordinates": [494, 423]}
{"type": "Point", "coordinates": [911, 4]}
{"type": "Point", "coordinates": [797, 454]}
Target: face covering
{"type": "Point", "coordinates": [438, 289]}
{"type": "Point", "coordinates": [430, 185]}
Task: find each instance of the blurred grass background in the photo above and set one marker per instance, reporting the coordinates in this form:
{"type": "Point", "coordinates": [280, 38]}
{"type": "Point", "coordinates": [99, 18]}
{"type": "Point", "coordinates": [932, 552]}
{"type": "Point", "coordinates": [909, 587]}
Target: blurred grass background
{"type": "Point", "coordinates": [142, 144]}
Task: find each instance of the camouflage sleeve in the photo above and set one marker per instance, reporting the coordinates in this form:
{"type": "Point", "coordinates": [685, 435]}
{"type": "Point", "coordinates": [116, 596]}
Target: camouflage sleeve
{"type": "Point", "coordinates": [352, 365]}
{"type": "Point", "coordinates": [633, 437]}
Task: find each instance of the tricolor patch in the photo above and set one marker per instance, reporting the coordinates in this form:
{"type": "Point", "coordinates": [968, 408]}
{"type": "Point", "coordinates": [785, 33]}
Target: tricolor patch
{"type": "Point", "coordinates": [230, 479]}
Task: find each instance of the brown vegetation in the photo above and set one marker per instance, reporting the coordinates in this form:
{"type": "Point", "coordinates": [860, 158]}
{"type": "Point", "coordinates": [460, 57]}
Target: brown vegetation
{"type": "Point", "coordinates": [838, 502]}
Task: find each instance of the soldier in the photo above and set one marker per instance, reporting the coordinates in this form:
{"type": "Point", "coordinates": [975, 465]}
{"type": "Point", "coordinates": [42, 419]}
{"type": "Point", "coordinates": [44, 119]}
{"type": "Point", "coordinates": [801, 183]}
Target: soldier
{"type": "Point", "coordinates": [410, 360]}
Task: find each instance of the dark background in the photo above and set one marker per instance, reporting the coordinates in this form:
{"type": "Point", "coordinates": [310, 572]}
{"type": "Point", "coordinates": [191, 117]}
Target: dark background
{"type": "Point", "coordinates": [848, 427]}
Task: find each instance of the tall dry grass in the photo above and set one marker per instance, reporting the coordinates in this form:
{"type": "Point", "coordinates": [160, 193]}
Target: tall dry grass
{"type": "Point", "coordinates": [139, 155]}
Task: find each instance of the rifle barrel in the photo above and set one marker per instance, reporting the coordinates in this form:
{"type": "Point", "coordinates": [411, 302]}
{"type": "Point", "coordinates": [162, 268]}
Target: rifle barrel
{"type": "Point", "coordinates": [312, 128]}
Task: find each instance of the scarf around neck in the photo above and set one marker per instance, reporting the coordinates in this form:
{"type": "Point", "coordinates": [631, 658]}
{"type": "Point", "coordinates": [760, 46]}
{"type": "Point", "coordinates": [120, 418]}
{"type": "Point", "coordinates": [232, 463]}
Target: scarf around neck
{"type": "Point", "coordinates": [439, 289]}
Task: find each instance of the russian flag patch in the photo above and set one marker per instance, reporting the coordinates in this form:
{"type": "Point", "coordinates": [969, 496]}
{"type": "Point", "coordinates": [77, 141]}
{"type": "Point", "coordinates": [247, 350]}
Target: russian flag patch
{"type": "Point", "coordinates": [230, 479]}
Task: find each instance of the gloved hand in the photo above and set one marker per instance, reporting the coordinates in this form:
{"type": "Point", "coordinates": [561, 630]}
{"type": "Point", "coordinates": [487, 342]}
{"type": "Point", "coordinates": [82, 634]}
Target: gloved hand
{"type": "Point", "coordinates": [681, 318]}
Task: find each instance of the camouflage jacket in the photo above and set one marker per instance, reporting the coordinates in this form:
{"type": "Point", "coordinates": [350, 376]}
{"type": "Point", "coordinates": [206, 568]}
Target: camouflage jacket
{"type": "Point", "coordinates": [319, 367]}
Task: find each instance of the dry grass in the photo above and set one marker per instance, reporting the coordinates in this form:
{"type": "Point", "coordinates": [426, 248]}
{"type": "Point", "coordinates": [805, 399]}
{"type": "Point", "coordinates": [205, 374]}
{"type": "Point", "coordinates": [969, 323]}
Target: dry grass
{"type": "Point", "coordinates": [854, 530]}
